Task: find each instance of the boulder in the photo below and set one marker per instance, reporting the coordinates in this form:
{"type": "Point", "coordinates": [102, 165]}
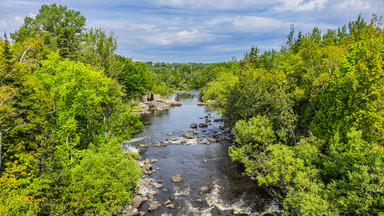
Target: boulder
{"type": "Point", "coordinates": [148, 167]}
{"type": "Point", "coordinates": [157, 185]}
{"type": "Point", "coordinates": [204, 190]}
{"type": "Point", "coordinates": [201, 104]}
{"type": "Point", "coordinates": [212, 140]}
{"type": "Point", "coordinates": [193, 125]}
{"type": "Point", "coordinates": [167, 202]}
{"type": "Point", "coordinates": [207, 120]}
{"type": "Point", "coordinates": [169, 134]}
{"type": "Point", "coordinates": [205, 142]}
{"type": "Point", "coordinates": [188, 136]}
{"type": "Point", "coordinates": [154, 160]}
{"type": "Point", "coordinates": [130, 211]}
{"type": "Point", "coordinates": [154, 205]}
{"type": "Point", "coordinates": [170, 206]}
{"type": "Point", "coordinates": [143, 191]}
{"type": "Point", "coordinates": [201, 200]}
{"type": "Point", "coordinates": [203, 125]}
{"type": "Point", "coordinates": [177, 178]}
{"type": "Point", "coordinates": [195, 131]}
{"type": "Point", "coordinates": [143, 146]}
{"type": "Point", "coordinates": [137, 200]}
{"type": "Point", "coordinates": [158, 144]}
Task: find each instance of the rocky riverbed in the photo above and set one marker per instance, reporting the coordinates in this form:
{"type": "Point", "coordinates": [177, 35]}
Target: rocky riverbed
{"type": "Point", "coordinates": [186, 167]}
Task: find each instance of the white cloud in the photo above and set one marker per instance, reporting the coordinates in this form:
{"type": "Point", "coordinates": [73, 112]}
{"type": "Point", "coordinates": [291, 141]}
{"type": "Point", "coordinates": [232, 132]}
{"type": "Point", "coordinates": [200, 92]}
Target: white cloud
{"type": "Point", "coordinates": [300, 5]}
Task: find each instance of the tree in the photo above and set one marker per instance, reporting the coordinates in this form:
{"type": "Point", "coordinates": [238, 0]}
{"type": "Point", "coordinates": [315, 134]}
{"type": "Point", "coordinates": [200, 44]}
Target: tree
{"type": "Point", "coordinates": [354, 96]}
{"type": "Point", "coordinates": [57, 25]}
{"type": "Point", "coordinates": [97, 49]}
{"type": "Point", "coordinates": [101, 184]}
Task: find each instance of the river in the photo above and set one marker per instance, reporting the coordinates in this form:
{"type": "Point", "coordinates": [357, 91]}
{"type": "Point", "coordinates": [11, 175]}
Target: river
{"type": "Point", "coordinates": [199, 165]}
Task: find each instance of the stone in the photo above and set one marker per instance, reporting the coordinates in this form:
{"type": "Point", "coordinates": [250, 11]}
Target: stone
{"type": "Point", "coordinates": [154, 160]}
{"type": "Point", "coordinates": [154, 205]}
{"type": "Point", "coordinates": [143, 146]}
{"type": "Point", "coordinates": [157, 185]}
{"type": "Point", "coordinates": [254, 214]}
{"type": "Point", "coordinates": [205, 161]}
{"type": "Point", "coordinates": [203, 125]}
{"type": "Point", "coordinates": [188, 136]}
{"type": "Point", "coordinates": [212, 140]}
{"type": "Point", "coordinates": [131, 211]}
{"type": "Point", "coordinates": [137, 200]}
{"type": "Point", "coordinates": [195, 131]}
{"type": "Point", "coordinates": [207, 120]}
{"type": "Point", "coordinates": [221, 127]}
{"type": "Point", "coordinates": [201, 104]}
{"type": "Point", "coordinates": [205, 142]}
{"type": "Point", "coordinates": [204, 190]}
{"type": "Point", "coordinates": [177, 178]}
{"type": "Point", "coordinates": [193, 125]}
{"type": "Point", "coordinates": [141, 213]}
{"type": "Point", "coordinates": [167, 202]}
{"type": "Point", "coordinates": [170, 206]}
{"type": "Point", "coordinates": [157, 144]}
{"type": "Point", "coordinates": [216, 120]}
{"type": "Point", "coordinates": [147, 167]}
{"type": "Point", "coordinates": [201, 200]}
{"type": "Point", "coordinates": [143, 191]}
{"type": "Point", "coordinates": [169, 134]}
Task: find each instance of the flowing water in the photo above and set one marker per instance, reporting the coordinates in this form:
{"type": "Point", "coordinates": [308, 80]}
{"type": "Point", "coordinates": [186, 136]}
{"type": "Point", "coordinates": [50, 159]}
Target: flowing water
{"type": "Point", "coordinates": [198, 165]}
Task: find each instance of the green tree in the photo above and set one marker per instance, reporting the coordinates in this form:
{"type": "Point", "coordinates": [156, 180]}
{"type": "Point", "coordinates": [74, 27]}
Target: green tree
{"type": "Point", "coordinates": [354, 95]}
{"type": "Point", "coordinates": [57, 25]}
{"type": "Point", "coordinates": [102, 183]}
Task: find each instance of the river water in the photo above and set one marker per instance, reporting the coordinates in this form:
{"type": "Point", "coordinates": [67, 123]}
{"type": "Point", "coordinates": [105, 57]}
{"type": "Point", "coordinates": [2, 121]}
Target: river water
{"type": "Point", "coordinates": [198, 165]}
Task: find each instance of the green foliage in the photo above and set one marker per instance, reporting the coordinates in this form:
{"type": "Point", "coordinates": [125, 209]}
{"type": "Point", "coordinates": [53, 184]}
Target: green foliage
{"type": "Point", "coordinates": [97, 49]}
{"type": "Point", "coordinates": [328, 84]}
{"type": "Point", "coordinates": [135, 77]}
{"type": "Point", "coordinates": [56, 25]}
{"type": "Point", "coordinates": [356, 169]}
{"type": "Point", "coordinates": [217, 90]}
{"type": "Point", "coordinates": [354, 96]}
{"type": "Point", "coordinates": [101, 183]}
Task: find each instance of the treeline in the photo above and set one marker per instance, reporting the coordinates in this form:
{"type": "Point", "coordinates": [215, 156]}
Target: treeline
{"type": "Point", "coordinates": [63, 115]}
{"type": "Point", "coordinates": [185, 76]}
{"type": "Point", "coordinates": [309, 119]}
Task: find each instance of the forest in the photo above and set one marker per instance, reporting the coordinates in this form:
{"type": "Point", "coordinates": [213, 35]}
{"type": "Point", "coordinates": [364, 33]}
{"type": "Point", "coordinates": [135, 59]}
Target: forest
{"type": "Point", "coordinates": [307, 118]}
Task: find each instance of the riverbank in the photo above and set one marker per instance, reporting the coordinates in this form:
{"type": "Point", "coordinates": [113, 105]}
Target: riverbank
{"type": "Point", "coordinates": [154, 102]}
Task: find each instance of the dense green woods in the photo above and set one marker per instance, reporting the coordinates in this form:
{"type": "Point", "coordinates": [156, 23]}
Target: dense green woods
{"type": "Point", "coordinates": [63, 115]}
{"type": "Point", "coordinates": [308, 119]}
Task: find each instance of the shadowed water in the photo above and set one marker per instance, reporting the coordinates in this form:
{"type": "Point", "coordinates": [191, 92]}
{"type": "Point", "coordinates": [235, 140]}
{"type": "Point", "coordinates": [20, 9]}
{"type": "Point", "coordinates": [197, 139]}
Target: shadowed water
{"type": "Point", "coordinates": [199, 165]}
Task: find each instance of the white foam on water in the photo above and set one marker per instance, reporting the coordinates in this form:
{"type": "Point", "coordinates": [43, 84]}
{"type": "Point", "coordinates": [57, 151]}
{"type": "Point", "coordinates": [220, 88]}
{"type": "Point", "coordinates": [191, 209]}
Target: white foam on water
{"type": "Point", "coordinates": [185, 141]}
{"type": "Point", "coordinates": [213, 200]}
{"type": "Point", "coordinates": [184, 192]}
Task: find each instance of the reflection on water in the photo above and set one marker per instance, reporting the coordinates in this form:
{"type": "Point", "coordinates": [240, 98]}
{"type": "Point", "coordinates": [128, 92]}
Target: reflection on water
{"type": "Point", "coordinates": [199, 165]}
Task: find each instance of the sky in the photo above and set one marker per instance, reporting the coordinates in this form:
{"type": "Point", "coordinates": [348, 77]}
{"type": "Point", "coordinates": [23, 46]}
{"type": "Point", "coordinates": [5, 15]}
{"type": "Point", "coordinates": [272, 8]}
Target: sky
{"type": "Point", "coordinates": [205, 31]}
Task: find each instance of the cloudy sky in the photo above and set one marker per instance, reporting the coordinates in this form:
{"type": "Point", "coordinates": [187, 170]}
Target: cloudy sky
{"type": "Point", "coordinates": [199, 30]}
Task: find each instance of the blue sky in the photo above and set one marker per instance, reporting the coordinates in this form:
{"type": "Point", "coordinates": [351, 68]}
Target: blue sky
{"type": "Point", "coordinates": [199, 30]}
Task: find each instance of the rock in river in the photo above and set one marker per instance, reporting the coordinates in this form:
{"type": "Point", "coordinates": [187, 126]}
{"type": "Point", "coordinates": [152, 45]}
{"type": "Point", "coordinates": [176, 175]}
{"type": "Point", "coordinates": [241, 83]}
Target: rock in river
{"type": "Point", "coordinates": [205, 142]}
{"type": "Point", "coordinates": [177, 178]}
{"type": "Point", "coordinates": [193, 125]}
{"type": "Point", "coordinates": [188, 136]}
{"type": "Point", "coordinates": [204, 190]}
{"type": "Point", "coordinates": [203, 125]}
